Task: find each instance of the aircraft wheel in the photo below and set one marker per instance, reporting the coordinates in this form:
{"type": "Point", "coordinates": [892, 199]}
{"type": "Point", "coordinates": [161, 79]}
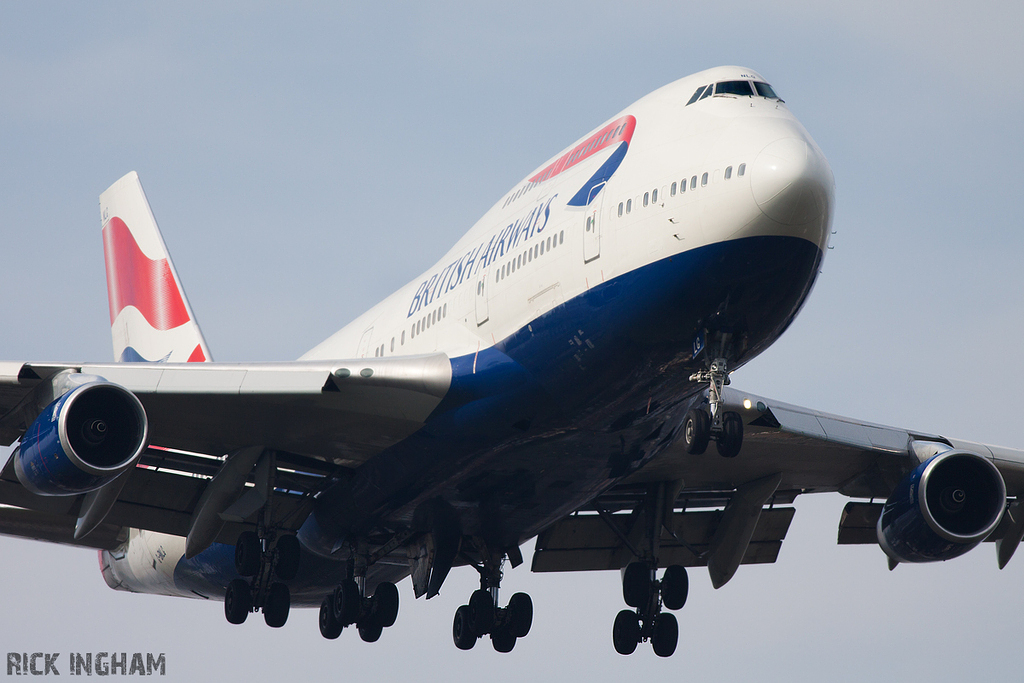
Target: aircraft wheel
{"type": "Point", "coordinates": [636, 585]}
{"type": "Point", "coordinates": [347, 602]}
{"type": "Point", "coordinates": [370, 632]}
{"type": "Point", "coordinates": [520, 613]}
{"type": "Point", "coordinates": [675, 586]}
{"type": "Point", "coordinates": [287, 557]}
{"type": "Point", "coordinates": [330, 627]}
{"type": "Point", "coordinates": [481, 609]}
{"type": "Point", "coordinates": [502, 639]}
{"type": "Point", "coordinates": [248, 554]}
{"type": "Point", "coordinates": [665, 635]}
{"type": "Point", "coordinates": [237, 601]}
{"type": "Point", "coordinates": [731, 438]}
{"type": "Point", "coordinates": [696, 431]}
{"type": "Point", "coordinates": [279, 601]}
{"type": "Point", "coordinates": [462, 631]}
{"type": "Point", "coordinates": [385, 604]}
{"type": "Point", "coordinates": [626, 632]}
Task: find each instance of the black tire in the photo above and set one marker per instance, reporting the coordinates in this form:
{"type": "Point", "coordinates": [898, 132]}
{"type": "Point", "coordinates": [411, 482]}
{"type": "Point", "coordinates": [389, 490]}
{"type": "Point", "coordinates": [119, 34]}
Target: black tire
{"type": "Point", "coordinates": [665, 635]}
{"type": "Point", "coordinates": [385, 604]}
{"type": "Point", "coordinates": [287, 557]}
{"type": "Point", "coordinates": [462, 630]}
{"type": "Point", "coordinates": [347, 602]}
{"type": "Point", "coordinates": [675, 586]}
{"type": "Point", "coordinates": [731, 438]}
{"type": "Point", "coordinates": [330, 628]}
{"type": "Point", "coordinates": [696, 431]}
{"type": "Point", "coordinates": [370, 632]}
{"type": "Point", "coordinates": [520, 615]}
{"type": "Point", "coordinates": [248, 554]}
{"type": "Point", "coordinates": [636, 585]}
{"type": "Point", "coordinates": [481, 610]}
{"type": "Point", "coordinates": [237, 601]}
{"type": "Point", "coordinates": [502, 639]}
{"type": "Point", "coordinates": [626, 632]}
{"type": "Point", "coordinates": [279, 602]}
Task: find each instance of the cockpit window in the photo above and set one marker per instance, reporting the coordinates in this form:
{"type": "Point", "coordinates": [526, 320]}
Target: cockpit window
{"type": "Point", "coordinates": [765, 90]}
{"type": "Point", "coordinates": [696, 95]}
{"type": "Point", "coordinates": [734, 88]}
{"type": "Point", "coordinates": [709, 92]}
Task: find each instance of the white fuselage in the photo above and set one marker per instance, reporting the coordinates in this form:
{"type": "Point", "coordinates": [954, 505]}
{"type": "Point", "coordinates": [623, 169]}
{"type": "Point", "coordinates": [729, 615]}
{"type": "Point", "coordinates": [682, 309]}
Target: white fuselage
{"type": "Point", "coordinates": [750, 169]}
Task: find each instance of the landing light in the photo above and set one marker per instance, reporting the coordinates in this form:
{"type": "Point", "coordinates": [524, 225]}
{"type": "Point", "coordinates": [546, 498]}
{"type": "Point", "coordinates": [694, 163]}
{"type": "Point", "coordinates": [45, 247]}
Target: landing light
{"type": "Point", "coordinates": [746, 403]}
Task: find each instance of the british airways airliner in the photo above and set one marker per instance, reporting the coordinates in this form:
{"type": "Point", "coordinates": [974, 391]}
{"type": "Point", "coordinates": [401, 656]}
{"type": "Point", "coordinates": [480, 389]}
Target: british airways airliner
{"type": "Point", "coordinates": [561, 373]}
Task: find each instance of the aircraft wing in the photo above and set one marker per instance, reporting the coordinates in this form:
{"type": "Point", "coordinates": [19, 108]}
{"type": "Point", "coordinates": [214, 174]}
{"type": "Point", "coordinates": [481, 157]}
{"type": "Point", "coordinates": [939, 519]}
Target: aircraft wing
{"type": "Point", "coordinates": [787, 450]}
{"type": "Point", "coordinates": [318, 416]}
{"type": "Point", "coordinates": [816, 452]}
{"type": "Point", "coordinates": [342, 412]}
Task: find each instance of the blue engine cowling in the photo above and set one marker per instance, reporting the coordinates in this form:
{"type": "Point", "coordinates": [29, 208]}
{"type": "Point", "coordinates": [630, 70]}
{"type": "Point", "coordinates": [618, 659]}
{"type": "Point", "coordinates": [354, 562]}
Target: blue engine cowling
{"type": "Point", "coordinates": [945, 507]}
{"type": "Point", "coordinates": [82, 440]}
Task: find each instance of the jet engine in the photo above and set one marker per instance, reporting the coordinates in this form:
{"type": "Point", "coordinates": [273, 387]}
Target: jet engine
{"type": "Point", "coordinates": [945, 507]}
{"type": "Point", "coordinates": [83, 440]}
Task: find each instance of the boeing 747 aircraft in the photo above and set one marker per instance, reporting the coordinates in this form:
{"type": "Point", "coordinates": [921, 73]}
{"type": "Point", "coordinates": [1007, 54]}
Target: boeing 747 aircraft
{"type": "Point", "coordinates": [561, 373]}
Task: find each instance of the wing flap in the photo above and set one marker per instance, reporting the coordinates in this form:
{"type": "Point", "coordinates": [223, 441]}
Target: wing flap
{"type": "Point", "coordinates": [586, 543]}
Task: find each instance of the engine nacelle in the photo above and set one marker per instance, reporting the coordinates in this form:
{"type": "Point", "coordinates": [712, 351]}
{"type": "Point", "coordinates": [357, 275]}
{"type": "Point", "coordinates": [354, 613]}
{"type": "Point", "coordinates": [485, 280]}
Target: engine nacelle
{"type": "Point", "coordinates": [82, 440]}
{"type": "Point", "coordinates": [945, 507]}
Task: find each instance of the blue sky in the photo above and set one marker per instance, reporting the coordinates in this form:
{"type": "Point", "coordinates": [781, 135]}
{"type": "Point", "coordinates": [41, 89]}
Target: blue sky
{"type": "Point", "coordinates": [304, 162]}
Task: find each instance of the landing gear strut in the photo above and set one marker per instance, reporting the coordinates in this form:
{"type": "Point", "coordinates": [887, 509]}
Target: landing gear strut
{"type": "Point", "coordinates": [266, 564]}
{"type": "Point", "coordinates": [642, 591]}
{"type": "Point", "coordinates": [482, 616]}
{"type": "Point", "coordinates": [348, 605]}
{"type": "Point", "coordinates": [267, 569]}
{"type": "Point", "coordinates": [701, 425]}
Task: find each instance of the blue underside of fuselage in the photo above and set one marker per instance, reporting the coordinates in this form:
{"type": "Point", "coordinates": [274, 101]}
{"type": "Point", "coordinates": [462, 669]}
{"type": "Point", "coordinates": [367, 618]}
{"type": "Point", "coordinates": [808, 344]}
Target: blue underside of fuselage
{"type": "Point", "coordinates": [556, 412]}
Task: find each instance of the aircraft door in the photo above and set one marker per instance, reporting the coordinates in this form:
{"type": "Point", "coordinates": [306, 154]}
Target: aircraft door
{"type": "Point", "coordinates": [592, 225]}
{"type": "Point", "coordinates": [364, 342]}
{"type": "Point", "coordinates": [482, 313]}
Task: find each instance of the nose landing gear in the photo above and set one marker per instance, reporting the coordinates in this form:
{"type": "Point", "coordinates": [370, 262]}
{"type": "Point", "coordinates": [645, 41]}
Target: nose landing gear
{"type": "Point", "coordinates": [701, 425]}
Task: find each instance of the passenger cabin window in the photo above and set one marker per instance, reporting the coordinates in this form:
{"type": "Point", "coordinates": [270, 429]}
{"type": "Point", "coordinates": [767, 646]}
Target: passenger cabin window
{"type": "Point", "coordinates": [693, 183]}
{"type": "Point", "coordinates": [647, 195]}
{"type": "Point", "coordinates": [704, 180]}
{"type": "Point", "coordinates": [682, 186]}
{"type": "Point", "coordinates": [728, 172]}
{"type": "Point", "coordinates": [654, 196]}
{"type": "Point", "coordinates": [741, 170]}
{"type": "Point", "coordinates": [672, 191]}
{"type": "Point", "coordinates": [734, 88]}
{"type": "Point", "coordinates": [620, 209]}
{"type": "Point", "coordinates": [629, 205]}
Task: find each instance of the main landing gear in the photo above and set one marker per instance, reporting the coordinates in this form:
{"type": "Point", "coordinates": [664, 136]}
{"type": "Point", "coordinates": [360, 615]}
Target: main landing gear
{"type": "Point", "coordinates": [348, 605]}
{"type": "Point", "coordinates": [482, 616]}
{"type": "Point", "coordinates": [647, 595]}
{"type": "Point", "coordinates": [267, 569]}
{"type": "Point", "coordinates": [701, 425]}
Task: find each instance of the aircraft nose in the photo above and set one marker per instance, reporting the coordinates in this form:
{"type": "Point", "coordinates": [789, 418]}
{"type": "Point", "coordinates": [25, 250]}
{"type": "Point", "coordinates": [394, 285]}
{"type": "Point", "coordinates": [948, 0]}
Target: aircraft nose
{"type": "Point", "coordinates": [791, 182]}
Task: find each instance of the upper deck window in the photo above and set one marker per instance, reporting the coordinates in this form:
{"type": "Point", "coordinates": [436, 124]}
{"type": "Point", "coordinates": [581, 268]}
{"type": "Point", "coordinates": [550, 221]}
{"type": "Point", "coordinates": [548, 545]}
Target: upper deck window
{"type": "Point", "coordinates": [765, 90]}
{"type": "Point", "coordinates": [734, 88]}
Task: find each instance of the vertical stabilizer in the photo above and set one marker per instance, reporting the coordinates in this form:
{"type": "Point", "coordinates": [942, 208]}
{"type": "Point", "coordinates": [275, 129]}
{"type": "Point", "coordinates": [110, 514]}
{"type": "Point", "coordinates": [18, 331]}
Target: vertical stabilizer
{"type": "Point", "coordinates": [150, 319]}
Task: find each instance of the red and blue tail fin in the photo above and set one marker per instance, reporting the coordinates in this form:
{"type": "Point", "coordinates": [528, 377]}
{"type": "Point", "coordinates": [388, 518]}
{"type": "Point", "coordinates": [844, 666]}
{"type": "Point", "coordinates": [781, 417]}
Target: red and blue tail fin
{"type": "Point", "coordinates": [150, 319]}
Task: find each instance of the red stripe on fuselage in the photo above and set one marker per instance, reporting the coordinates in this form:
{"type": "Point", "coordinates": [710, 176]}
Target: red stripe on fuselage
{"type": "Point", "coordinates": [133, 279]}
{"type": "Point", "coordinates": [620, 130]}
